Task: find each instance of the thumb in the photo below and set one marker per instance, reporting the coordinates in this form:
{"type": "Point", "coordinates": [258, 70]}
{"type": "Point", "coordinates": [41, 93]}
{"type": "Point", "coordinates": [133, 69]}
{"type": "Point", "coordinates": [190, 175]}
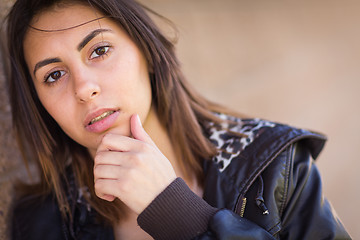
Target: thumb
{"type": "Point", "coordinates": [137, 130]}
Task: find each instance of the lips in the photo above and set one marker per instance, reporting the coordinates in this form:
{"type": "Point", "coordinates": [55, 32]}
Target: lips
{"type": "Point", "coordinates": [101, 120]}
{"type": "Point", "coordinates": [102, 116]}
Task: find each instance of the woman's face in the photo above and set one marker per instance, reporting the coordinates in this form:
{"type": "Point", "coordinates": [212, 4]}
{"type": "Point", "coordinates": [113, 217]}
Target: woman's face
{"type": "Point", "coordinates": [90, 78]}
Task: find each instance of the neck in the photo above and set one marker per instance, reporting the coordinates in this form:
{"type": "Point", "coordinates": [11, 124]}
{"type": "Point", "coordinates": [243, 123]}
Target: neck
{"type": "Point", "coordinates": [160, 136]}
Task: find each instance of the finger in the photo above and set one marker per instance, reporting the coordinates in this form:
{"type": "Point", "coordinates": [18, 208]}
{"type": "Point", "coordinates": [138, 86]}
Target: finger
{"type": "Point", "coordinates": [109, 198]}
{"type": "Point", "coordinates": [102, 171]}
{"type": "Point", "coordinates": [103, 189]}
{"type": "Point", "coordinates": [112, 187]}
{"type": "Point", "coordinates": [138, 131]}
{"type": "Point", "coordinates": [108, 158]}
{"type": "Point", "coordinates": [109, 189]}
{"type": "Point", "coordinates": [116, 142]}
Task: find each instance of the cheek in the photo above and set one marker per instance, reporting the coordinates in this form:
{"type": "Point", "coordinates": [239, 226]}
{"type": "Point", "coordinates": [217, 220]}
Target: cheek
{"type": "Point", "coordinates": [48, 102]}
{"type": "Point", "coordinates": [128, 78]}
{"type": "Point", "coordinates": [58, 109]}
{"type": "Point", "coordinates": [59, 114]}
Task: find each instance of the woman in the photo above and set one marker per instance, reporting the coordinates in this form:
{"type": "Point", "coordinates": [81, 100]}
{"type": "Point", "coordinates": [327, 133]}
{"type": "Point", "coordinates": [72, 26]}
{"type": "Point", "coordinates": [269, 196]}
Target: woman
{"type": "Point", "coordinates": [127, 150]}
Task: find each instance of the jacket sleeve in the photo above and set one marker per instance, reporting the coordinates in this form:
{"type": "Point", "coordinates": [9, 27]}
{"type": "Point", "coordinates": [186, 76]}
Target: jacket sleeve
{"type": "Point", "coordinates": [178, 214]}
{"type": "Point", "coordinates": [226, 225]}
{"type": "Point", "coordinates": [307, 214]}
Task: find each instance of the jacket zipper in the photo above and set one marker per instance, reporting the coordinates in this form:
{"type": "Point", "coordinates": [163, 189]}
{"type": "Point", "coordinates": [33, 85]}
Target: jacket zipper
{"type": "Point", "coordinates": [243, 199]}
{"type": "Point", "coordinates": [243, 205]}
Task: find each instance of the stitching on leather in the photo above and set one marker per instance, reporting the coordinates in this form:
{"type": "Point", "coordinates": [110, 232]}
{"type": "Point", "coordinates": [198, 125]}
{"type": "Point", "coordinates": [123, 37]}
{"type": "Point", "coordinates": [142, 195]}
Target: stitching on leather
{"type": "Point", "coordinates": [278, 224]}
{"type": "Point", "coordinates": [289, 154]}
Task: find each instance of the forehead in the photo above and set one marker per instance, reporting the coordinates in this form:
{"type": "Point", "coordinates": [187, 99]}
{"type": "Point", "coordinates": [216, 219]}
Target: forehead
{"type": "Point", "coordinates": [64, 17]}
{"type": "Point", "coordinates": [61, 23]}
{"type": "Point", "coordinates": [78, 20]}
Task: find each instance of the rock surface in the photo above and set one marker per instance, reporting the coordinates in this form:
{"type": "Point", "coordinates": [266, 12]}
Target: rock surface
{"type": "Point", "coordinates": [10, 162]}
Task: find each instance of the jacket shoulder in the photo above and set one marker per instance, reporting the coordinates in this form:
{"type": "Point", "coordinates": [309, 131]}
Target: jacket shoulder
{"type": "Point", "coordinates": [257, 139]}
{"type": "Point", "coordinates": [36, 217]}
{"type": "Point", "coordinates": [270, 178]}
{"type": "Point", "coordinates": [246, 147]}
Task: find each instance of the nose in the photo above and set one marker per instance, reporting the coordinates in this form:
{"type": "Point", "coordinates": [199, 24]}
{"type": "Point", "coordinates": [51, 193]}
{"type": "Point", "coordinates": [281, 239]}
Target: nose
{"type": "Point", "coordinates": [86, 87]}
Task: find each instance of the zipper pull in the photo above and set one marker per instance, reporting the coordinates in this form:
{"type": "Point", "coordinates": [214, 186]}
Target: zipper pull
{"type": "Point", "coordinates": [260, 203]}
{"type": "Point", "coordinates": [259, 198]}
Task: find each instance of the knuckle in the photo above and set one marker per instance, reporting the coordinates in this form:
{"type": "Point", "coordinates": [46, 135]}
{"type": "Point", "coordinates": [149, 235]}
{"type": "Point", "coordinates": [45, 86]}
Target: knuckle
{"type": "Point", "coordinates": [97, 170]}
{"type": "Point", "coordinates": [106, 140]}
{"type": "Point", "coordinates": [131, 156]}
{"type": "Point", "coordinates": [131, 173]}
{"type": "Point", "coordinates": [125, 187]}
{"type": "Point", "coordinates": [98, 184]}
{"type": "Point", "coordinates": [98, 158]}
{"type": "Point", "coordinates": [136, 160]}
{"type": "Point", "coordinates": [144, 147]}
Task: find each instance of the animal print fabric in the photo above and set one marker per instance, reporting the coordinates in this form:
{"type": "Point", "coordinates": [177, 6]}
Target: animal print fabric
{"type": "Point", "coordinates": [233, 135]}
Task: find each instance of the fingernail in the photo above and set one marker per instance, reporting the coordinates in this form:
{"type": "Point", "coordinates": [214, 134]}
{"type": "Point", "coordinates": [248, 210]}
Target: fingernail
{"type": "Point", "coordinates": [138, 118]}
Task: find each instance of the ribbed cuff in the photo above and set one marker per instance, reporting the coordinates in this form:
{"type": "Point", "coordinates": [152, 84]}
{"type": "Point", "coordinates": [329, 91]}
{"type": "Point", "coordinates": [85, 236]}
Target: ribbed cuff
{"type": "Point", "coordinates": [177, 213]}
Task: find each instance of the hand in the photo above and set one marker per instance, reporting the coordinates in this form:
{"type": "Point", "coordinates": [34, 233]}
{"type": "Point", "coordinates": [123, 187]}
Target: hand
{"type": "Point", "coordinates": [131, 169]}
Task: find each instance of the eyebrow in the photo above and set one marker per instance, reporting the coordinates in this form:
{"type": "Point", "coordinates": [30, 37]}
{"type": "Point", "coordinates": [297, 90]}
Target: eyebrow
{"type": "Point", "coordinates": [90, 36]}
{"type": "Point", "coordinates": [45, 62]}
{"type": "Point", "coordinates": [81, 45]}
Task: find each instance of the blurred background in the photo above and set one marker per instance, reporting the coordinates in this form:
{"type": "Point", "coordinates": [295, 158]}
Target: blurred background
{"type": "Point", "coordinates": [295, 62]}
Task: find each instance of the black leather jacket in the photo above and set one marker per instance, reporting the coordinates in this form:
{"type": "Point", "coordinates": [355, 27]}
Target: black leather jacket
{"type": "Point", "coordinates": [264, 186]}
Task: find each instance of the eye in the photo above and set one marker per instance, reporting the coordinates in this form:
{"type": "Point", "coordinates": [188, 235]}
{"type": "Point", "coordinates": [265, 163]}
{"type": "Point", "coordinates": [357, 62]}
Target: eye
{"type": "Point", "coordinates": [100, 51]}
{"type": "Point", "coordinates": [54, 76]}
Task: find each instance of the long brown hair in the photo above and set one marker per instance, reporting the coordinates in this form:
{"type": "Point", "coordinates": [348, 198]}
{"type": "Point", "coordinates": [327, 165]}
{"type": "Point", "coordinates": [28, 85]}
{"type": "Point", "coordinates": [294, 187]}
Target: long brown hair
{"type": "Point", "coordinates": [183, 112]}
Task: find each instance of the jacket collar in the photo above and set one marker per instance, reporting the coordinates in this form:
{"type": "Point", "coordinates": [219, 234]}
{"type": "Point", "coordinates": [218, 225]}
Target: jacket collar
{"type": "Point", "coordinates": [240, 160]}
